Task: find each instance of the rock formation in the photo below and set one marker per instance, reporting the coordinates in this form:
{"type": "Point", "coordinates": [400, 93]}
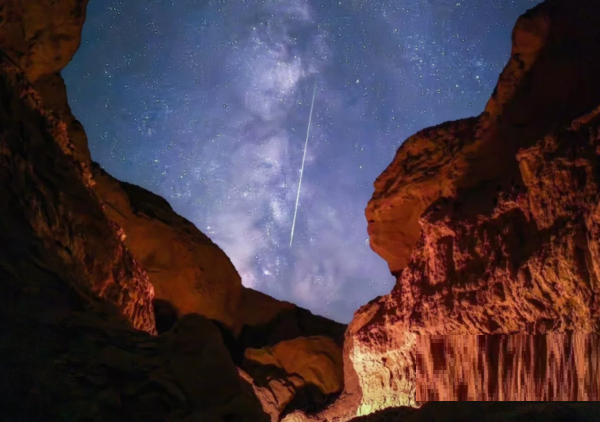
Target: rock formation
{"type": "Point", "coordinates": [118, 243]}
{"type": "Point", "coordinates": [185, 267]}
{"type": "Point", "coordinates": [113, 307]}
{"type": "Point", "coordinates": [549, 80]}
{"type": "Point", "coordinates": [49, 213]}
{"type": "Point", "coordinates": [302, 373]}
{"type": "Point", "coordinates": [71, 236]}
{"type": "Point", "coordinates": [490, 223]}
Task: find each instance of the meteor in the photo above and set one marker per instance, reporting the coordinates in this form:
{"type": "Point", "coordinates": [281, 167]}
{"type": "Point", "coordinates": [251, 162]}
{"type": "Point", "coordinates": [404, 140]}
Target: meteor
{"type": "Point", "coordinates": [303, 160]}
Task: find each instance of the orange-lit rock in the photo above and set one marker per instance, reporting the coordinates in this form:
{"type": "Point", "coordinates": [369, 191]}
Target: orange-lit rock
{"type": "Point", "coordinates": [490, 223]}
{"type": "Point", "coordinates": [520, 367]}
{"type": "Point", "coordinates": [53, 92]}
{"type": "Point", "coordinates": [46, 196]}
{"type": "Point", "coordinates": [295, 374]}
{"type": "Point", "coordinates": [545, 85]}
{"type": "Point", "coordinates": [41, 36]}
{"type": "Point", "coordinates": [265, 321]}
{"type": "Point", "coordinates": [194, 275]}
{"type": "Point", "coordinates": [185, 267]}
{"type": "Point", "coordinates": [75, 307]}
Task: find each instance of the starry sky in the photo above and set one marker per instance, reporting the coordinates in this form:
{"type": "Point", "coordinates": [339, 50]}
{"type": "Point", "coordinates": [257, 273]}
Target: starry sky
{"type": "Point", "coordinates": [207, 102]}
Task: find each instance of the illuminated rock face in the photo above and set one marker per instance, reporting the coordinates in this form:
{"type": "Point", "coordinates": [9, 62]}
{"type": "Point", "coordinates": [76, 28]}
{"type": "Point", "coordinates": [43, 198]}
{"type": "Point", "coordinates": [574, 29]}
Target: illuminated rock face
{"type": "Point", "coordinates": [521, 367]}
{"type": "Point", "coordinates": [76, 303]}
{"type": "Point", "coordinates": [302, 373]}
{"type": "Point", "coordinates": [48, 211]}
{"type": "Point", "coordinates": [491, 223]}
{"type": "Point", "coordinates": [185, 267]}
{"type": "Point", "coordinates": [76, 315]}
{"type": "Point", "coordinates": [547, 82]}
{"type": "Point", "coordinates": [41, 36]}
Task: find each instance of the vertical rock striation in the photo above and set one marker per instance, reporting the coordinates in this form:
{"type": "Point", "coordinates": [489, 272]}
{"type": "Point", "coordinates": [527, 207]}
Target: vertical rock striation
{"type": "Point", "coordinates": [75, 235]}
{"type": "Point", "coordinates": [49, 212]}
{"type": "Point", "coordinates": [521, 367]}
{"type": "Point", "coordinates": [490, 223]}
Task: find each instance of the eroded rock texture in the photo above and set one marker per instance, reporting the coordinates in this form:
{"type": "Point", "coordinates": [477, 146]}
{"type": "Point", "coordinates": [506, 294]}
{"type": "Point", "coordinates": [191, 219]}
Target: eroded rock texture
{"type": "Point", "coordinates": [185, 267]}
{"type": "Point", "coordinates": [303, 373]}
{"type": "Point", "coordinates": [82, 256]}
{"type": "Point", "coordinates": [76, 312]}
{"type": "Point", "coordinates": [191, 273]}
{"type": "Point", "coordinates": [41, 36]}
{"type": "Point", "coordinates": [265, 321]}
{"type": "Point", "coordinates": [549, 80]}
{"type": "Point", "coordinates": [490, 223]}
{"type": "Point", "coordinates": [521, 367]}
{"type": "Point", "coordinates": [49, 213]}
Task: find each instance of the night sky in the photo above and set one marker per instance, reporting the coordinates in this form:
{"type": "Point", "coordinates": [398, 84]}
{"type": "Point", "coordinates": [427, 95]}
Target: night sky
{"type": "Point", "coordinates": [207, 103]}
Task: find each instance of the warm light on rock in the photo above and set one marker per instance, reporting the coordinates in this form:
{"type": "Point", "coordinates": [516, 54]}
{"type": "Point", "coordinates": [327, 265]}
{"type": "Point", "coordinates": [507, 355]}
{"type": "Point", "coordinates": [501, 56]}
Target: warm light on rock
{"type": "Point", "coordinates": [553, 367]}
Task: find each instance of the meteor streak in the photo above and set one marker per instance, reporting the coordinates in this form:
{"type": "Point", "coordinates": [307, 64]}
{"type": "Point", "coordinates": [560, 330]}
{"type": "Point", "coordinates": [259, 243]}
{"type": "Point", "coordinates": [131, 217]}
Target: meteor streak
{"type": "Point", "coordinates": [303, 160]}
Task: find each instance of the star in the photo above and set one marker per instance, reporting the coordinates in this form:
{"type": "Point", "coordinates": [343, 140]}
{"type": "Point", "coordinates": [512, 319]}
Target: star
{"type": "Point", "coordinates": [206, 104]}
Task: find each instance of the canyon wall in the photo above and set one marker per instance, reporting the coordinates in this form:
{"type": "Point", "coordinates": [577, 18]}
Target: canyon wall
{"type": "Point", "coordinates": [113, 307]}
{"type": "Point", "coordinates": [520, 367]}
{"type": "Point", "coordinates": [76, 312]}
{"type": "Point", "coordinates": [490, 223]}
{"type": "Point", "coordinates": [87, 264]}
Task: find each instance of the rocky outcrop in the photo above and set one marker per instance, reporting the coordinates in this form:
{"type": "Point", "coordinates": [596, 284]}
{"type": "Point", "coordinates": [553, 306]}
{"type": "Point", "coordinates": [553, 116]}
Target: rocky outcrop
{"type": "Point", "coordinates": [49, 213]}
{"type": "Point", "coordinates": [489, 223]}
{"type": "Point", "coordinates": [265, 321]}
{"type": "Point", "coordinates": [185, 267]}
{"type": "Point", "coordinates": [547, 83]}
{"type": "Point", "coordinates": [191, 273]}
{"type": "Point", "coordinates": [41, 36]}
{"type": "Point", "coordinates": [506, 257]}
{"type": "Point", "coordinates": [75, 307]}
{"type": "Point", "coordinates": [71, 359]}
{"type": "Point", "coordinates": [68, 229]}
{"type": "Point", "coordinates": [303, 373]}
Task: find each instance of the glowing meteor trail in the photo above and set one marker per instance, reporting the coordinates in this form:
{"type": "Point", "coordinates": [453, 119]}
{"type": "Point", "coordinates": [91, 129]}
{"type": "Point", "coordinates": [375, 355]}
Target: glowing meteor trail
{"type": "Point", "coordinates": [303, 160]}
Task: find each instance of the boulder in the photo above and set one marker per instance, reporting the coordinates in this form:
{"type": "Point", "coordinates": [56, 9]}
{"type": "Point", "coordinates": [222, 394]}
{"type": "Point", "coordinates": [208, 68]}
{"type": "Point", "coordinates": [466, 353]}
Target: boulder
{"type": "Point", "coordinates": [303, 373]}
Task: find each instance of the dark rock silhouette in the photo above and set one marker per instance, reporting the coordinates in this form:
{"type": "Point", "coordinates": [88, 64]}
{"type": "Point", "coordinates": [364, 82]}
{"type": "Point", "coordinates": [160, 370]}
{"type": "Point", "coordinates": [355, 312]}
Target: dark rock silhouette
{"type": "Point", "coordinates": [113, 307]}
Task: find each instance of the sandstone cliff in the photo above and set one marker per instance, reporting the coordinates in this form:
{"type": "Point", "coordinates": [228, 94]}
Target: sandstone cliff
{"type": "Point", "coordinates": [490, 223]}
{"type": "Point", "coordinates": [87, 243]}
{"type": "Point", "coordinates": [75, 307]}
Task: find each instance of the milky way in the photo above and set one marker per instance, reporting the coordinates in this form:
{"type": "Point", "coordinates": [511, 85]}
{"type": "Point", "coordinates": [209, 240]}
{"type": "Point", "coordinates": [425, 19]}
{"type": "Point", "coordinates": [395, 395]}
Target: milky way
{"type": "Point", "coordinates": [205, 103]}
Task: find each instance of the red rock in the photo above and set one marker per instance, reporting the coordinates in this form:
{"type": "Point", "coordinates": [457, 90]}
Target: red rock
{"type": "Point", "coordinates": [41, 36]}
{"type": "Point", "coordinates": [489, 223]}
{"type": "Point", "coordinates": [75, 306]}
{"type": "Point", "coordinates": [47, 200]}
{"type": "Point", "coordinates": [299, 373]}
{"type": "Point", "coordinates": [546, 84]}
{"type": "Point", "coordinates": [265, 321]}
{"type": "Point", "coordinates": [185, 267]}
